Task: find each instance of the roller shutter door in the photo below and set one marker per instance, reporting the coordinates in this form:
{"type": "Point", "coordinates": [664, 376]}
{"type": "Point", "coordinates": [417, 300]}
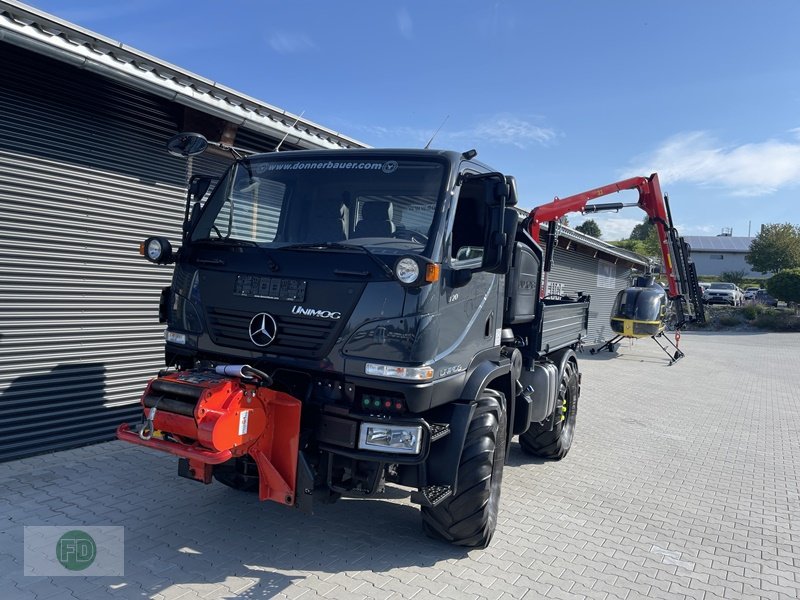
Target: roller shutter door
{"type": "Point", "coordinates": [84, 178]}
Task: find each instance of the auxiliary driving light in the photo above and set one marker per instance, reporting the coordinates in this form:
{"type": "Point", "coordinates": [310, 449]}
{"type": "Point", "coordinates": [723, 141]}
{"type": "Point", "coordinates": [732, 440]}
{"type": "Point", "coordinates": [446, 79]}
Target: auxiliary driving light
{"type": "Point", "coordinates": [399, 439]}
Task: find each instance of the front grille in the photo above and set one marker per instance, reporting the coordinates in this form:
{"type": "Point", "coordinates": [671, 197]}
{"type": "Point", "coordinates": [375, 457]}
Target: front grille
{"type": "Point", "coordinates": [296, 336]}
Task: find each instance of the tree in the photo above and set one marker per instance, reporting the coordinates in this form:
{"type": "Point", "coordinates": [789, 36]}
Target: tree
{"type": "Point", "coordinates": [652, 247]}
{"type": "Point", "coordinates": [632, 245]}
{"type": "Point", "coordinates": [589, 227]}
{"type": "Point", "coordinates": [643, 230]}
{"type": "Point", "coordinates": [785, 285]}
{"type": "Point", "coordinates": [776, 247]}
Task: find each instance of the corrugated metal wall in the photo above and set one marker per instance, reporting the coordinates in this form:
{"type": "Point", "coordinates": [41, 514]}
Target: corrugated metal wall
{"type": "Point", "coordinates": [84, 177]}
{"type": "Point", "coordinates": [598, 278]}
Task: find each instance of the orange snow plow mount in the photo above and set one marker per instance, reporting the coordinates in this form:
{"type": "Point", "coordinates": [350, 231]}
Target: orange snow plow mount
{"type": "Point", "coordinates": [210, 417]}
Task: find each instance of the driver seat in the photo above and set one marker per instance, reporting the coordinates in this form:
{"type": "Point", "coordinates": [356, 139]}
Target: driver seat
{"type": "Point", "coordinates": [328, 223]}
{"type": "Point", "coordinates": [376, 220]}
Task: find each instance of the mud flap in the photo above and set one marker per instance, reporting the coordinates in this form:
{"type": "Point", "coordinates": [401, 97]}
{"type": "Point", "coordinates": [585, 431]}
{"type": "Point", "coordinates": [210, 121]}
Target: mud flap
{"type": "Point", "coordinates": [444, 458]}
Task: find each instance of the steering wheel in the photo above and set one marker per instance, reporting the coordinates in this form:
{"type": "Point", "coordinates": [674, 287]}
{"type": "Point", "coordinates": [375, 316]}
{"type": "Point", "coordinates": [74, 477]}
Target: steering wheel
{"type": "Point", "coordinates": [411, 235]}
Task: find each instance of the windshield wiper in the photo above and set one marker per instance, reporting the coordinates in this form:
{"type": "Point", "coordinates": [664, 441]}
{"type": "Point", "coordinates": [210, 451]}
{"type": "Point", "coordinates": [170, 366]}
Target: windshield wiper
{"type": "Point", "coordinates": [337, 246]}
{"type": "Point", "coordinates": [273, 266]}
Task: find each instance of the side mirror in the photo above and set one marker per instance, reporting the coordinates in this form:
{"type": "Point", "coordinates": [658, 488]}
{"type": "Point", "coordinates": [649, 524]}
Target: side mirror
{"type": "Point", "coordinates": [512, 190]}
{"type": "Point", "coordinates": [185, 145]}
{"type": "Point", "coordinates": [499, 240]}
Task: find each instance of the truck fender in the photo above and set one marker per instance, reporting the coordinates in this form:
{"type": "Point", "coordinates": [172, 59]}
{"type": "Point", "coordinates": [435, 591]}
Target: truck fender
{"type": "Point", "coordinates": [444, 458]}
{"type": "Point", "coordinates": [561, 358]}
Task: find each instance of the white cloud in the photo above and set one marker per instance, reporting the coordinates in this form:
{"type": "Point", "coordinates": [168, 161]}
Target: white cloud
{"type": "Point", "coordinates": [289, 43]}
{"type": "Point", "coordinates": [405, 24]}
{"type": "Point", "coordinates": [507, 130]}
{"type": "Point", "coordinates": [753, 169]}
{"type": "Point", "coordinates": [501, 129]}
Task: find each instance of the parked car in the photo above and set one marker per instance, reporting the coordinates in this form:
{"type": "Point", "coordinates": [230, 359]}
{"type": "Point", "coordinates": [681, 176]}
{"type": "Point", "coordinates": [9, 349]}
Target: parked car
{"type": "Point", "coordinates": [724, 293]}
{"type": "Point", "coordinates": [750, 293]}
{"type": "Point", "coordinates": [763, 297]}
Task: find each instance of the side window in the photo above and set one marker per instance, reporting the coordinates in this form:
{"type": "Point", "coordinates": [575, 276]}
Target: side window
{"type": "Point", "coordinates": [468, 224]}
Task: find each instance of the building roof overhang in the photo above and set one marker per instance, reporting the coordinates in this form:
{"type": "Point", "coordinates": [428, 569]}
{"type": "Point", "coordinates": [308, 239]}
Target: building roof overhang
{"type": "Point", "coordinates": [40, 32]}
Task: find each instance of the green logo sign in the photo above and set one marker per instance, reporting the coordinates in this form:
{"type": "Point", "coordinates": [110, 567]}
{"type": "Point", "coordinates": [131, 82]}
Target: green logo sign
{"type": "Point", "coordinates": [76, 550]}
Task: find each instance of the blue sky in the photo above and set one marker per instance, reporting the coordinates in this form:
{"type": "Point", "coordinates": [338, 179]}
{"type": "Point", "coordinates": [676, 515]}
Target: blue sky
{"type": "Point", "coordinates": [565, 95]}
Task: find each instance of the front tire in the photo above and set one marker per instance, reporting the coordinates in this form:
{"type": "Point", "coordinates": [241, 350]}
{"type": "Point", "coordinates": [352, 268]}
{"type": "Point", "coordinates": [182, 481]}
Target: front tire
{"type": "Point", "coordinates": [553, 440]}
{"type": "Point", "coordinates": [469, 517]}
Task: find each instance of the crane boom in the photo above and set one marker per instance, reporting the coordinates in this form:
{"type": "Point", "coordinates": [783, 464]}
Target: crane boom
{"type": "Point", "coordinates": [680, 271]}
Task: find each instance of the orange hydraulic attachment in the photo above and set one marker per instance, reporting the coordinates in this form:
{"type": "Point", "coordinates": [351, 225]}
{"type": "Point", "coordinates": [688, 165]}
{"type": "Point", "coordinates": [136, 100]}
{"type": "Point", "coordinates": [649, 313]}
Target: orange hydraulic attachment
{"type": "Point", "coordinates": [209, 418]}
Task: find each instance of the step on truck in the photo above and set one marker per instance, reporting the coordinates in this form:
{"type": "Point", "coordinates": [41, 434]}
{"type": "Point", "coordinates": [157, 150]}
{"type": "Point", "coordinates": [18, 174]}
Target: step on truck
{"type": "Point", "coordinates": [340, 320]}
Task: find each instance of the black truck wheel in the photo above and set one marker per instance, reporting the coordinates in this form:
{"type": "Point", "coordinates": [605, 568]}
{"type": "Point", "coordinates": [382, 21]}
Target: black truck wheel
{"type": "Point", "coordinates": [553, 440]}
{"type": "Point", "coordinates": [238, 473]}
{"type": "Point", "coordinates": [469, 517]}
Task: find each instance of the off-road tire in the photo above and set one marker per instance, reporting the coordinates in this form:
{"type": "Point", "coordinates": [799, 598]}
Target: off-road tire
{"type": "Point", "coordinates": [553, 440]}
{"type": "Point", "coordinates": [469, 517]}
{"type": "Point", "coordinates": [238, 473]}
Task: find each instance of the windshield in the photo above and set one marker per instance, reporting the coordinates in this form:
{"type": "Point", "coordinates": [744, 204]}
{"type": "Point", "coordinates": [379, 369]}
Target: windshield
{"type": "Point", "coordinates": [271, 201]}
{"type": "Point", "coordinates": [722, 286]}
{"type": "Point", "coordinates": [640, 304]}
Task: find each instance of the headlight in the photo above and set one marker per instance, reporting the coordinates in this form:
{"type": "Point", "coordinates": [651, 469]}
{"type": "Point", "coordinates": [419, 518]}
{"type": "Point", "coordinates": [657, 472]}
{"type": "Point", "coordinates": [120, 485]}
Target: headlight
{"type": "Point", "coordinates": [157, 250]}
{"type": "Point", "coordinates": [412, 373]}
{"type": "Point", "coordinates": [416, 271]}
{"type": "Point", "coordinates": [399, 439]}
{"type": "Point", "coordinates": [407, 270]}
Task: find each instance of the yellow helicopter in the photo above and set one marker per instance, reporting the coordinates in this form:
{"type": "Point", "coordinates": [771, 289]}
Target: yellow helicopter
{"type": "Point", "coordinates": [641, 311]}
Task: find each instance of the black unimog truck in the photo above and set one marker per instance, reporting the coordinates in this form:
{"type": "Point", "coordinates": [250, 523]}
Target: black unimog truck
{"type": "Point", "coordinates": [392, 300]}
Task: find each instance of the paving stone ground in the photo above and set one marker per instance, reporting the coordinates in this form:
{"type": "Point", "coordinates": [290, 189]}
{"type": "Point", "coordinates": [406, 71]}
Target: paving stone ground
{"type": "Point", "coordinates": [683, 482]}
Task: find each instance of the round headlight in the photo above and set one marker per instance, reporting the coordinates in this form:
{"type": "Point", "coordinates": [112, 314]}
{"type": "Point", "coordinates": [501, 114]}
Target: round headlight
{"type": "Point", "coordinates": [157, 250]}
{"type": "Point", "coordinates": [154, 249]}
{"type": "Point", "coordinates": [407, 270]}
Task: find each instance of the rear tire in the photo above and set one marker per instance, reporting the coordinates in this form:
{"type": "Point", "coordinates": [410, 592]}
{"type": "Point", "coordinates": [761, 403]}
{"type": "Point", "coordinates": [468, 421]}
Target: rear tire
{"type": "Point", "coordinates": [553, 440]}
{"type": "Point", "coordinates": [469, 518]}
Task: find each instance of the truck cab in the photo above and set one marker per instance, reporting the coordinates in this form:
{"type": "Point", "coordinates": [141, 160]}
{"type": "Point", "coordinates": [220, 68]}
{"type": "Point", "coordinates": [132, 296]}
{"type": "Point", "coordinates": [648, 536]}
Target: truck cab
{"type": "Point", "coordinates": [359, 270]}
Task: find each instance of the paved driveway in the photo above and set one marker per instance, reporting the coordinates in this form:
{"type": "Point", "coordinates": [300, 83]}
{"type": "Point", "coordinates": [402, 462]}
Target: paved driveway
{"type": "Point", "coordinates": [684, 481]}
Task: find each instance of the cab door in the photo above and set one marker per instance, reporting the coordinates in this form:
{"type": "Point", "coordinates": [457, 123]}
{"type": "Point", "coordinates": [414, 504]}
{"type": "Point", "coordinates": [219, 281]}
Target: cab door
{"type": "Point", "coordinates": [471, 310]}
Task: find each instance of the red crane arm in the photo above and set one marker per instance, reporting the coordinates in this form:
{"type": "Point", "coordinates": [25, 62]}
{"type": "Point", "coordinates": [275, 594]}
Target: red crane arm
{"type": "Point", "coordinates": [650, 201]}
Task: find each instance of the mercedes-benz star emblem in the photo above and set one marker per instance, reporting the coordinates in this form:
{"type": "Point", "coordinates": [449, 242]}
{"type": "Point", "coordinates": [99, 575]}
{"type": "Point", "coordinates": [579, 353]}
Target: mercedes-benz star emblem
{"type": "Point", "coordinates": [263, 329]}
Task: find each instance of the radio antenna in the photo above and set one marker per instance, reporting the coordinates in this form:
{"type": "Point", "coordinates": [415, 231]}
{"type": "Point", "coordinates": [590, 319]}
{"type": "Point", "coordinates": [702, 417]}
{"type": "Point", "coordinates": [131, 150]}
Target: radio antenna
{"type": "Point", "coordinates": [296, 121]}
{"type": "Point", "coordinates": [436, 132]}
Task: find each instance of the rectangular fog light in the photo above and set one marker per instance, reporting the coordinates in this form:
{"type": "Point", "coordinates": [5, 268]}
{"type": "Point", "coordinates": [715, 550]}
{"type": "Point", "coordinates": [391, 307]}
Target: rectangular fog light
{"type": "Point", "coordinates": [399, 439]}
